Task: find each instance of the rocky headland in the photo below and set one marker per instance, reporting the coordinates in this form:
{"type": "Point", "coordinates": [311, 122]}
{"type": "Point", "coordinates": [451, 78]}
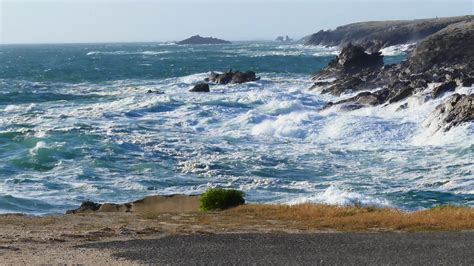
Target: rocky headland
{"type": "Point", "coordinates": [203, 40]}
{"type": "Point", "coordinates": [440, 63]}
{"type": "Point", "coordinates": [374, 35]}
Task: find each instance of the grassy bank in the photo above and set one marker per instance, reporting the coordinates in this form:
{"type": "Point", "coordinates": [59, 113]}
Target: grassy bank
{"type": "Point", "coordinates": [349, 218]}
{"type": "Point", "coordinates": [252, 217]}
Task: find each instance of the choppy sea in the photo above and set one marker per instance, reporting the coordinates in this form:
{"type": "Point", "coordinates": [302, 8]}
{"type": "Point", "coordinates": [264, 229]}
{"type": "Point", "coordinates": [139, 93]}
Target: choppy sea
{"type": "Point", "coordinates": [77, 124]}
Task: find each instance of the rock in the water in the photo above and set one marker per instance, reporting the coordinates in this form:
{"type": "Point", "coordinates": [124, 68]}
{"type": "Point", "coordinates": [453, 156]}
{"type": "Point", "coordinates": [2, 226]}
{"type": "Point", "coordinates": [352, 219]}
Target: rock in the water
{"type": "Point", "coordinates": [455, 111]}
{"type": "Point", "coordinates": [203, 40]}
{"type": "Point", "coordinates": [203, 87]}
{"type": "Point", "coordinates": [233, 77]}
{"type": "Point", "coordinates": [155, 92]}
{"type": "Point", "coordinates": [443, 88]}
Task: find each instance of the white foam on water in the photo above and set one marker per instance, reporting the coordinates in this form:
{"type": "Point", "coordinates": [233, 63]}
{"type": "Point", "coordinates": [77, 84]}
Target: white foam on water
{"type": "Point", "coordinates": [335, 196]}
{"type": "Point", "coordinates": [289, 125]}
{"type": "Point", "coordinates": [396, 49]}
{"type": "Point", "coordinates": [266, 138]}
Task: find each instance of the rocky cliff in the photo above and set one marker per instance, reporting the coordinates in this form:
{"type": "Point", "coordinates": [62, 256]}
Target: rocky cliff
{"type": "Point", "coordinates": [375, 35]}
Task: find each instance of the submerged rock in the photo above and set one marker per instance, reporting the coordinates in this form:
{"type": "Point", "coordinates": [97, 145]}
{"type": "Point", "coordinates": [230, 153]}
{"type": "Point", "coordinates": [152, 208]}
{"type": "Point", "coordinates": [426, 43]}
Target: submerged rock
{"type": "Point", "coordinates": [203, 87]}
{"type": "Point", "coordinates": [232, 77]}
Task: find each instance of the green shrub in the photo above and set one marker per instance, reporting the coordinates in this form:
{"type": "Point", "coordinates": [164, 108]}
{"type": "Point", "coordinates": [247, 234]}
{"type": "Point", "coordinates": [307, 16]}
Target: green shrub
{"type": "Point", "coordinates": [220, 199]}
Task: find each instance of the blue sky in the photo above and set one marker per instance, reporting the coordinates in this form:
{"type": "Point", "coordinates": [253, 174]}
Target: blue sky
{"type": "Point", "coordinates": [73, 21]}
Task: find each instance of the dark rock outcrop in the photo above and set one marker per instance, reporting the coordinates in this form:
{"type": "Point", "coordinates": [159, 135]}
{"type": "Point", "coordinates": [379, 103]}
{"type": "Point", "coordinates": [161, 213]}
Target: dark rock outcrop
{"type": "Point", "coordinates": [203, 40]}
{"type": "Point", "coordinates": [443, 88]}
{"type": "Point", "coordinates": [352, 59]}
{"type": "Point", "coordinates": [232, 77]}
{"type": "Point", "coordinates": [352, 68]}
{"type": "Point", "coordinates": [203, 87]}
{"type": "Point", "coordinates": [375, 35]}
{"type": "Point", "coordinates": [155, 92]}
{"type": "Point", "coordinates": [86, 206]}
{"type": "Point", "coordinates": [455, 111]}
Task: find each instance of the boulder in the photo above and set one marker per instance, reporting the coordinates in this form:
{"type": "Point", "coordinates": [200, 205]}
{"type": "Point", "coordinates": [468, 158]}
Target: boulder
{"type": "Point", "coordinates": [86, 206]}
{"type": "Point", "coordinates": [459, 108]}
{"type": "Point", "coordinates": [443, 88]}
{"type": "Point", "coordinates": [202, 87]}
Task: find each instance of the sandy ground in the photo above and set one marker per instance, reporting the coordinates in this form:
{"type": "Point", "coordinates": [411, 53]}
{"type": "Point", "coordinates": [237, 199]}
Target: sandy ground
{"type": "Point", "coordinates": [54, 239]}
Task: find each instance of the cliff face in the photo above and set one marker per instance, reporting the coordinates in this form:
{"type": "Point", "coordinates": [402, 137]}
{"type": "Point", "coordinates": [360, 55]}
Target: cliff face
{"type": "Point", "coordinates": [375, 35]}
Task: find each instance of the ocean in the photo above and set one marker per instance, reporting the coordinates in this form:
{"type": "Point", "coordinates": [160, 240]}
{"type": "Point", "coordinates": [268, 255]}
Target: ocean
{"type": "Point", "coordinates": [77, 124]}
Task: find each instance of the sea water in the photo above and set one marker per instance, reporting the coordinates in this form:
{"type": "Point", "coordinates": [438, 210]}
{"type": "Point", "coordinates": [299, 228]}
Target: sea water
{"type": "Point", "coordinates": [77, 124]}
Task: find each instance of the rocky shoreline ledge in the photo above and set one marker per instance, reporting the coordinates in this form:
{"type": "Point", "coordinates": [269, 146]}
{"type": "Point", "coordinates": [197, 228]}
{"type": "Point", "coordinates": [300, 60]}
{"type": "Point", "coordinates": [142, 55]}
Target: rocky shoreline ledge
{"type": "Point", "coordinates": [440, 63]}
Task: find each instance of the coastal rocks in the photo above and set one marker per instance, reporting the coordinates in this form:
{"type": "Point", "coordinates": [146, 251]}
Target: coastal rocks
{"type": "Point", "coordinates": [86, 206]}
{"type": "Point", "coordinates": [283, 39]}
{"type": "Point", "coordinates": [448, 47]}
{"type": "Point", "coordinates": [439, 64]}
{"type": "Point", "coordinates": [362, 99]}
{"type": "Point", "coordinates": [352, 59]}
{"type": "Point", "coordinates": [196, 39]}
{"type": "Point", "coordinates": [202, 87]}
{"type": "Point", "coordinates": [232, 77]}
{"type": "Point", "coordinates": [150, 204]}
{"type": "Point", "coordinates": [353, 69]}
{"type": "Point", "coordinates": [455, 111]}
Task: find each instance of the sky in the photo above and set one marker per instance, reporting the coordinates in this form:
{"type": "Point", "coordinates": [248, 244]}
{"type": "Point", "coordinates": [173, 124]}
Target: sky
{"type": "Point", "coordinates": [87, 21]}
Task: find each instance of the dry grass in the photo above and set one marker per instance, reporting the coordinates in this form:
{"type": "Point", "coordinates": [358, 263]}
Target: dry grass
{"type": "Point", "coordinates": [320, 217]}
{"type": "Point", "coordinates": [252, 217]}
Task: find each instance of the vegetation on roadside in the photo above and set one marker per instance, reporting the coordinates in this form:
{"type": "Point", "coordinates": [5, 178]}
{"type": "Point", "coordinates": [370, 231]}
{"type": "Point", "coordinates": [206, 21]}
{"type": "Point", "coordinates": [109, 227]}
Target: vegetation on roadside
{"type": "Point", "coordinates": [220, 199]}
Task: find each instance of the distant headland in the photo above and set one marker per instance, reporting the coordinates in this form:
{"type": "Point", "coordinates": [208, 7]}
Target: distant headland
{"type": "Point", "coordinates": [203, 40]}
